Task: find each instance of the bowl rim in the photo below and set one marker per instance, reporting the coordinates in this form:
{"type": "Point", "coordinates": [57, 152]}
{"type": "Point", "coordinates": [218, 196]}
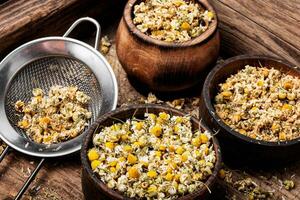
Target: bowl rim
{"type": "Point", "coordinates": [116, 194]}
{"type": "Point", "coordinates": [212, 28]}
{"type": "Point", "coordinates": [207, 100]}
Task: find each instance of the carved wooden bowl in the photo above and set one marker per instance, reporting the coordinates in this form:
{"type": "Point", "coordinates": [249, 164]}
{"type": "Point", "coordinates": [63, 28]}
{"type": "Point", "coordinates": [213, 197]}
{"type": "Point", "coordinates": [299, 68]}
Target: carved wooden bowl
{"type": "Point", "coordinates": [165, 66]}
{"type": "Point", "coordinates": [94, 188]}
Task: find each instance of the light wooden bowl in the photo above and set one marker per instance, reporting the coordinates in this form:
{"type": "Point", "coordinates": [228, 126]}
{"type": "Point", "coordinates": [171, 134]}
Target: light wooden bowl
{"type": "Point", "coordinates": [165, 66]}
{"type": "Point", "coordinates": [94, 188]}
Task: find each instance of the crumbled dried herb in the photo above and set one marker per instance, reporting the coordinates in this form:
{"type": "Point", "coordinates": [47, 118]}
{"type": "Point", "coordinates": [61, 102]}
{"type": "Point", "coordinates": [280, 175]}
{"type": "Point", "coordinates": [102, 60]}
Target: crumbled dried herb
{"type": "Point", "coordinates": [226, 175]}
{"type": "Point", "coordinates": [289, 184]}
{"type": "Point", "coordinates": [105, 45]}
{"type": "Point", "coordinates": [251, 189]}
{"type": "Point", "coordinates": [2, 146]}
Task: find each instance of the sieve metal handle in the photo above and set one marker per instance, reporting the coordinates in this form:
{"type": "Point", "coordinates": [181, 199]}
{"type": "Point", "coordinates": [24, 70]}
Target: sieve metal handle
{"type": "Point", "coordinates": [29, 180]}
{"type": "Point", "coordinates": [98, 27]}
{"type": "Point", "coordinates": [5, 151]}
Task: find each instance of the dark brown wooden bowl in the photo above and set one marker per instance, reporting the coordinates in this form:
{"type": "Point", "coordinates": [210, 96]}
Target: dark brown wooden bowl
{"type": "Point", "coordinates": [165, 66]}
{"type": "Point", "coordinates": [237, 148]}
{"type": "Point", "coordinates": [94, 188]}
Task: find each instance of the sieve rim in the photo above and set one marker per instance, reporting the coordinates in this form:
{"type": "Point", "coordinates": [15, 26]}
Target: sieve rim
{"type": "Point", "coordinates": [71, 40]}
{"type": "Point", "coordinates": [79, 138]}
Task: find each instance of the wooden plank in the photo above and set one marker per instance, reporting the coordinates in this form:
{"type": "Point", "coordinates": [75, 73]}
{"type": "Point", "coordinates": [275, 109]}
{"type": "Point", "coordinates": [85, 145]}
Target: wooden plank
{"type": "Point", "coordinates": [54, 178]}
{"type": "Point", "coordinates": [260, 27]}
{"type": "Point", "coordinates": [277, 17]}
{"type": "Point", "coordinates": [24, 20]}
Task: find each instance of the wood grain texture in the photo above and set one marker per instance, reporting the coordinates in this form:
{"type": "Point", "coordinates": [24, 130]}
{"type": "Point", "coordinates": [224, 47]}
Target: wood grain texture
{"type": "Point", "coordinates": [270, 27]}
{"type": "Point", "coordinates": [24, 20]}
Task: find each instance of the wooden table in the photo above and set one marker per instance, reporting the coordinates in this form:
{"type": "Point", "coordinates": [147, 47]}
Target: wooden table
{"type": "Point", "coordinates": [270, 27]}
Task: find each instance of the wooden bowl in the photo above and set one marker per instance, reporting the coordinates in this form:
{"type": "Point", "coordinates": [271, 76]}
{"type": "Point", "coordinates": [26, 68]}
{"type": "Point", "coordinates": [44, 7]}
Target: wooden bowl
{"type": "Point", "coordinates": [165, 66]}
{"type": "Point", "coordinates": [94, 188]}
{"type": "Point", "coordinates": [237, 147]}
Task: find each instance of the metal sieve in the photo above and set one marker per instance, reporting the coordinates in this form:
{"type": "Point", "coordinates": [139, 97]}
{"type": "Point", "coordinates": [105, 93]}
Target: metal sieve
{"type": "Point", "coordinates": [46, 62]}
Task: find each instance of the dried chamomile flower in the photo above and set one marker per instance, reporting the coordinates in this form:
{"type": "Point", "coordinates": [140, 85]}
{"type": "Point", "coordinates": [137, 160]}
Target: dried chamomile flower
{"type": "Point", "coordinates": [172, 20]}
{"type": "Point", "coordinates": [158, 157]}
{"type": "Point", "coordinates": [58, 117]}
{"type": "Point", "coordinates": [261, 103]}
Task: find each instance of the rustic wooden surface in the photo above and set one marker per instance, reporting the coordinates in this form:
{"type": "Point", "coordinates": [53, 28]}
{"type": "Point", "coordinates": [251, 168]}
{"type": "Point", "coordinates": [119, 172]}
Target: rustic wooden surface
{"type": "Point", "coordinates": [24, 20]}
{"type": "Point", "coordinates": [270, 27]}
{"type": "Point", "coordinates": [261, 28]}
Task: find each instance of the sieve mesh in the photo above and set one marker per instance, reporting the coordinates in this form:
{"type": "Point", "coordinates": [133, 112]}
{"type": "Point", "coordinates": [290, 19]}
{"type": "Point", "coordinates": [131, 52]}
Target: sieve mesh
{"type": "Point", "coordinates": [46, 72]}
